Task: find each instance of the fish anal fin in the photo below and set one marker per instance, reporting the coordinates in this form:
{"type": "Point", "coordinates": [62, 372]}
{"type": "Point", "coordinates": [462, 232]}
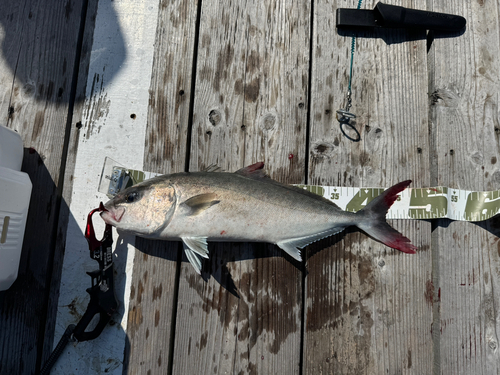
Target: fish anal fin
{"type": "Point", "coordinates": [290, 249]}
{"type": "Point", "coordinates": [292, 245]}
{"type": "Point", "coordinates": [200, 203]}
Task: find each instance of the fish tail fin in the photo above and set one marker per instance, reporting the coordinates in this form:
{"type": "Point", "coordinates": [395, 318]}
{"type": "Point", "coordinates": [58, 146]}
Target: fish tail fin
{"type": "Point", "coordinates": [373, 222]}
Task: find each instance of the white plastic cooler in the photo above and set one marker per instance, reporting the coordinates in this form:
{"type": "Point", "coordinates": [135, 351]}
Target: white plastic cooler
{"type": "Point", "coordinates": [15, 193]}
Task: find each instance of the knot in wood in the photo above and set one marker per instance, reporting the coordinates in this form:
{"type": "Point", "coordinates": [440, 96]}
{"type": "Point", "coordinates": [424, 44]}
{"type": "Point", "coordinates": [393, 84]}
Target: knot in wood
{"type": "Point", "coordinates": [322, 149]}
{"type": "Point", "coordinates": [268, 122]}
{"type": "Point", "coordinates": [214, 117]}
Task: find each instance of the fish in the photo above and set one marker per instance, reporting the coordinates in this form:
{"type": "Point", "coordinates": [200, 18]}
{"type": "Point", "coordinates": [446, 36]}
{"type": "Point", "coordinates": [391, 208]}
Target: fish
{"type": "Point", "coordinates": [244, 206]}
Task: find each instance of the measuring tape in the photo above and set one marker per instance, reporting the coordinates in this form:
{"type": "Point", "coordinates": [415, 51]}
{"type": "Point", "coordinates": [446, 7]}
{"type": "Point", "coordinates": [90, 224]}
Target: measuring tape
{"type": "Point", "coordinates": [418, 203]}
{"type": "Point", "coordinates": [413, 203]}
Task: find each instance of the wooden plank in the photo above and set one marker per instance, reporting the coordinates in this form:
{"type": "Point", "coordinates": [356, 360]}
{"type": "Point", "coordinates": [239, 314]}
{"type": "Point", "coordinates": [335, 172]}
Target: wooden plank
{"type": "Point", "coordinates": [112, 123]}
{"type": "Point", "coordinates": [368, 308]}
{"type": "Point", "coordinates": [250, 105]}
{"type": "Point", "coordinates": [152, 302]}
{"type": "Point", "coordinates": [77, 105]}
{"type": "Point", "coordinates": [464, 90]}
{"type": "Point", "coordinates": [39, 44]}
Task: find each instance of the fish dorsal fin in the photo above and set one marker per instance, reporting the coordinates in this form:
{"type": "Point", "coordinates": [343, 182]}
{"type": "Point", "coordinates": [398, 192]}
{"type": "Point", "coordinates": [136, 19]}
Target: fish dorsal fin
{"type": "Point", "coordinates": [195, 247]}
{"type": "Point", "coordinates": [213, 168]}
{"type": "Point", "coordinates": [200, 203]}
{"type": "Point", "coordinates": [254, 171]}
{"type": "Point", "coordinates": [292, 245]}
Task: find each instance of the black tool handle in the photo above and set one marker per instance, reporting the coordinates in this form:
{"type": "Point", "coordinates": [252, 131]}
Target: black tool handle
{"type": "Point", "coordinates": [80, 333]}
{"type": "Point", "coordinates": [399, 17]}
{"type": "Point", "coordinates": [393, 16]}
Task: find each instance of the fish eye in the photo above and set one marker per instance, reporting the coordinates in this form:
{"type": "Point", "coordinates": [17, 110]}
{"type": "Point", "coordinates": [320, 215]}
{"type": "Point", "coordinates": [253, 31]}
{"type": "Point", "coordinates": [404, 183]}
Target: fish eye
{"type": "Point", "coordinates": [132, 197]}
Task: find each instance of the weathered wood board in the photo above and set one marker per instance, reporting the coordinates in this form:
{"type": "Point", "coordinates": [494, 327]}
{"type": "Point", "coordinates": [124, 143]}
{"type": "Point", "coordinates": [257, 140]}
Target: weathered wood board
{"type": "Point", "coordinates": [249, 105]}
{"type": "Point", "coordinates": [153, 303]}
{"type": "Point", "coordinates": [367, 309]}
{"type": "Point", "coordinates": [464, 86]}
{"type": "Point", "coordinates": [37, 60]}
{"type": "Point", "coordinates": [111, 123]}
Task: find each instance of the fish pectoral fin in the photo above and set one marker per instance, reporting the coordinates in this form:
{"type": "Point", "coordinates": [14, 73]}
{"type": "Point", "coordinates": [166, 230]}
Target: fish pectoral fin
{"type": "Point", "coordinates": [200, 203]}
{"type": "Point", "coordinates": [194, 247]}
{"type": "Point", "coordinates": [292, 245]}
{"type": "Point", "coordinates": [197, 244]}
{"type": "Point", "coordinates": [193, 259]}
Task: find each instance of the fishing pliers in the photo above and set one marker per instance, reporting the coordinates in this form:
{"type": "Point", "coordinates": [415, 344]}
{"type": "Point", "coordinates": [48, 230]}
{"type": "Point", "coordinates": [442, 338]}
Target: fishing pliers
{"type": "Point", "coordinates": [103, 300]}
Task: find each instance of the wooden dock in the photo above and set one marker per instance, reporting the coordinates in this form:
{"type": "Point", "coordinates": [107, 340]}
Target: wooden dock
{"type": "Point", "coordinates": [168, 86]}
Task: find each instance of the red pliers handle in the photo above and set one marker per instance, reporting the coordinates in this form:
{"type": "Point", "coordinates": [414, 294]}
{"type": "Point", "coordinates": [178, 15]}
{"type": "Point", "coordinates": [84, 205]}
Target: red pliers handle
{"type": "Point", "coordinates": [103, 300]}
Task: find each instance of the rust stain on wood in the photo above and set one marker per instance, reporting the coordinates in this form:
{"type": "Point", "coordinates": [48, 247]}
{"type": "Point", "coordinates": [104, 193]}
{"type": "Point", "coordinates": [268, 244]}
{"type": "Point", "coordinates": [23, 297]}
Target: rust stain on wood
{"type": "Point", "coordinates": [135, 319]}
{"type": "Point", "coordinates": [203, 341]}
{"type": "Point", "coordinates": [429, 292]}
{"type": "Point", "coordinates": [327, 311]}
{"type": "Point", "coordinates": [238, 86]}
{"type": "Point", "coordinates": [252, 321]}
{"type": "Point", "coordinates": [224, 61]}
{"type": "Point", "coordinates": [132, 292]}
{"type": "Point", "coordinates": [157, 317]}
{"type": "Point", "coordinates": [38, 124]}
{"type": "Point", "coordinates": [253, 63]}
{"type": "Point", "coordinates": [140, 290]}
{"type": "Point", "coordinates": [252, 90]}
{"type": "Point", "coordinates": [157, 291]}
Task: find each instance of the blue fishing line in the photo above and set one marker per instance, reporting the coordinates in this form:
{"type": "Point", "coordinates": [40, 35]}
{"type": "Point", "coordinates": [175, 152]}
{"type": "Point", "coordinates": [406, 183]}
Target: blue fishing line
{"type": "Point", "coordinates": [343, 115]}
{"type": "Point", "coordinates": [353, 48]}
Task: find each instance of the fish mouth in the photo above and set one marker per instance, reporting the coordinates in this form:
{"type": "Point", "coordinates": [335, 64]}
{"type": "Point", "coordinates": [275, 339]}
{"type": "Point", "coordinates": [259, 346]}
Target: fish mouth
{"type": "Point", "coordinates": [113, 216]}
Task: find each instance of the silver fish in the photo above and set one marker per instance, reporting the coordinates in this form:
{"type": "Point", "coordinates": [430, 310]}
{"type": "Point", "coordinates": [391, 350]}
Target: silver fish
{"type": "Point", "coordinates": [243, 206]}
